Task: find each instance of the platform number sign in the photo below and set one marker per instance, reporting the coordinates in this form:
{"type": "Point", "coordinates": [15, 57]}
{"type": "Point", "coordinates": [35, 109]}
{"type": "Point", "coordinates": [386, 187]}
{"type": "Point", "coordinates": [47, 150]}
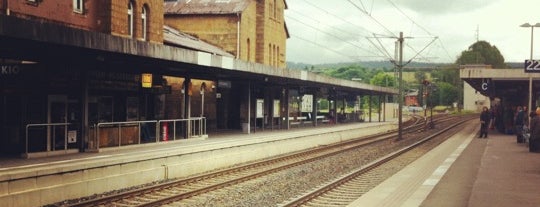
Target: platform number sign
{"type": "Point", "coordinates": [532, 66]}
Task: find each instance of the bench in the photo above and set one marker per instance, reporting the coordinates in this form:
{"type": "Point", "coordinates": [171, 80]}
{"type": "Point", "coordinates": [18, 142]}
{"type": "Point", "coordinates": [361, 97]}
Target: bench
{"type": "Point", "coordinates": [295, 122]}
{"type": "Point", "coordinates": [323, 119]}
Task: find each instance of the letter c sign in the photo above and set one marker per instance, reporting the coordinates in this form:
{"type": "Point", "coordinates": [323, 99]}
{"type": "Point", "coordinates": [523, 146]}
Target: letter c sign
{"type": "Point", "coordinates": [484, 86]}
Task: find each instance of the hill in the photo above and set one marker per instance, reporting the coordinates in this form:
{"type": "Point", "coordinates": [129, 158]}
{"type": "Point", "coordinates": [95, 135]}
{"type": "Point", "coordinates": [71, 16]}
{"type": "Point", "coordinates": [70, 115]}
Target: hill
{"type": "Point", "coordinates": [365, 64]}
{"type": "Point", "coordinates": [381, 65]}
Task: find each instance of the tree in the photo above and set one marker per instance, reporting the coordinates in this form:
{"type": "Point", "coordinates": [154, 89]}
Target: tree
{"type": "Point", "coordinates": [482, 52]}
{"type": "Point", "coordinates": [350, 72]}
{"type": "Point", "coordinates": [379, 79]}
{"type": "Point", "coordinates": [383, 79]}
{"type": "Point", "coordinates": [446, 94]}
{"type": "Point", "coordinates": [452, 93]}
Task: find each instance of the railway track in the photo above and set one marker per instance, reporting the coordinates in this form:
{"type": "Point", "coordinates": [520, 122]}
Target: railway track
{"type": "Point", "coordinates": [347, 188]}
{"type": "Point", "coordinates": [178, 190]}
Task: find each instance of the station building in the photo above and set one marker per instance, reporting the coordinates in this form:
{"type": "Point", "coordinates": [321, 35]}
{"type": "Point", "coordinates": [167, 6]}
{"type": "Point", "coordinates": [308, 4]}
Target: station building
{"type": "Point", "coordinates": [88, 75]}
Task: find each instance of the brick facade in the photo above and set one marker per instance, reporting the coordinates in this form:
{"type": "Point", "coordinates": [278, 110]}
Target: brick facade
{"type": "Point", "coordinates": [217, 30]}
{"type": "Point", "coordinates": [271, 32]}
{"type": "Point", "coordinates": [106, 16]}
{"type": "Point", "coordinates": [119, 25]}
{"type": "Point", "coordinates": [262, 31]}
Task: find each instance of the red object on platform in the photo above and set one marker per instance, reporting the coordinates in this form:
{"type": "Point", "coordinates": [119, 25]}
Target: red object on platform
{"type": "Point", "coordinates": [164, 131]}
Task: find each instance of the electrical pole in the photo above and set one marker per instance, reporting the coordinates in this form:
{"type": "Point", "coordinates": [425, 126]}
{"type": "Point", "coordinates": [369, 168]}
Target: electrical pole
{"type": "Point", "coordinates": [400, 70]}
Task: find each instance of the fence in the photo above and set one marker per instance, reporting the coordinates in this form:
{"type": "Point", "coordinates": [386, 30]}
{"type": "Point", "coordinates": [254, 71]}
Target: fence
{"type": "Point", "coordinates": [111, 134]}
{"type": "Point", "coordinates": [51, 138]}
{"type": "Point", "coordinates": [196, 124]}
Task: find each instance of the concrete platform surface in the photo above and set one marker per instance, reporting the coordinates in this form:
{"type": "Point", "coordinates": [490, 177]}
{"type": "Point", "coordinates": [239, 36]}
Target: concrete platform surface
{"type": "Point", "coordinates": [465, 171]}
{"type": "Point", "coordinates": [42, 181]}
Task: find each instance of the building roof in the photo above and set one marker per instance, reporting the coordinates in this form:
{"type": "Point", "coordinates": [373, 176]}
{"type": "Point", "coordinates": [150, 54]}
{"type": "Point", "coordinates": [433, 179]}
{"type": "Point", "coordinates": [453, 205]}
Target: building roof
{"type": "Point", "coordinates": [206, 6]}
{"type": "Point", "coordinates": [174, 37]}
{"type": "Point", "coordinates": [412, 92]}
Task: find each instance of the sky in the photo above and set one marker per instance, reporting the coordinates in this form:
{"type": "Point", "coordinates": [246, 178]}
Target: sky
{"type": "Point", "coordinates": [435, 31]}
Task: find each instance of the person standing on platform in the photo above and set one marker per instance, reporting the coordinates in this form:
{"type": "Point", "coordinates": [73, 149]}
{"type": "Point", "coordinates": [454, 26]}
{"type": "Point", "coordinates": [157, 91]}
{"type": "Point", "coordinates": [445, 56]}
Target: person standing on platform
{"type": "Point", "coordinates": [484, 122]}
{"type": "Point", "coordinates": [534, 140]}
{"type": "Point", "coordinates": [492, 113]}
{"type": "Point", "coordinates": [518, 123]}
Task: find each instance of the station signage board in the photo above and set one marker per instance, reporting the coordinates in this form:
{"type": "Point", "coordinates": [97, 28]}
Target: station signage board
{"type": "Point", "coordinates": [146, 80]}
{"type": "Point", "coordinates": [532, 66]}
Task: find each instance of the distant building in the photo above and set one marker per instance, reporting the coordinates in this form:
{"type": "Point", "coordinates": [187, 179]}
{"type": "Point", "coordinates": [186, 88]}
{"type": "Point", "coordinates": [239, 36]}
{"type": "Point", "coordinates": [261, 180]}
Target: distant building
{"type": "Point", "coordinates": [411, 98]}
{"type": "Point", "coordinates": [253, 31]}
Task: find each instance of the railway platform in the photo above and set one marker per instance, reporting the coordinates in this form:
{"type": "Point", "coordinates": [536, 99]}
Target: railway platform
{"type": "Point", "coordinates": [42, 181]}
{"type": "Point", "coordinates": [465, 171]}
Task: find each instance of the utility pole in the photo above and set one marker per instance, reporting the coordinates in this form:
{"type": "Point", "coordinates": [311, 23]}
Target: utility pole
{"type": "Point", "coordinates": [400, 99]}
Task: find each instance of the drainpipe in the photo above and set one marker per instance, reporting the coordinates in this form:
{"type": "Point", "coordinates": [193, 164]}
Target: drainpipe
{"type": "Point", "coordinates": [238, 36]}
{"type": "Point", "coordinates": [6, 5]}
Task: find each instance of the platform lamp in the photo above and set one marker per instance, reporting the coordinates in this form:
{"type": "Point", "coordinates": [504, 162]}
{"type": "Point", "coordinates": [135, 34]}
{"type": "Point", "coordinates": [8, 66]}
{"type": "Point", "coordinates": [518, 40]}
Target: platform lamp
{"type": "Point", "coordinates": [531, 58]}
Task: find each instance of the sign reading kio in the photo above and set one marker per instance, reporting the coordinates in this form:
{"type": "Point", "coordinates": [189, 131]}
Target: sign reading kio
{"type": "Point", "coordinates": [9, 69]}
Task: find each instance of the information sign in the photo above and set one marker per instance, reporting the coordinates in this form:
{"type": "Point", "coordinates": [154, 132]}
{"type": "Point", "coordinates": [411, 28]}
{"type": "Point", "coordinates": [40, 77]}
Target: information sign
{"type": "Point", "coordinates": [532, 66]}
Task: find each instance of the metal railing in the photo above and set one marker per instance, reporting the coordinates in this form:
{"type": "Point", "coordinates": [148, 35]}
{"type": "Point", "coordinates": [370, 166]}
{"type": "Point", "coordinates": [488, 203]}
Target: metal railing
{"type": "Point", "coordinates": [53, 136]}
{"type": "Point", "coordinates": [119, 125]}
{"type": "Point", "coordinates": [196, 126]}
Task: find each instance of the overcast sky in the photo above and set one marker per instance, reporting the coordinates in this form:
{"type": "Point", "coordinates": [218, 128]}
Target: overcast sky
{"type": "Point", "coordinates": [324, 31]}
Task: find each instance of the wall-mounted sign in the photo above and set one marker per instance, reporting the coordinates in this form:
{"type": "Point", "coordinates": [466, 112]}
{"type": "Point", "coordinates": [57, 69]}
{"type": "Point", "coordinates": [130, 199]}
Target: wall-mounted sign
{"type": "Point", "coordinates": [485, 86]}
{"type": "Point", "coordinates": [532, 66]}
{"type": "Point", "coordinates": [307, 103]}
{"type": "Point", "coordinates": [146, 80]}
{"type": "Point", "coordinates": [224, 84]}
{"type": "Point", "coordinates": [259, 108]}
{"type": "Point", "coordinates": [72, 136]}
{"type": "Point", "coordinates": [9, 70]}
{"type": "Point", "coordinates": [276, 108]}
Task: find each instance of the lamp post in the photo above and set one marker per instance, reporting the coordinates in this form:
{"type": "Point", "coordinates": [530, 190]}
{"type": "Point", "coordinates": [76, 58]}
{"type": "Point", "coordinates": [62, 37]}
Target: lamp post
{"type": "Point", "coordinates": [531, 58]}
{"type": "Point", "coordinates": [431, 89]}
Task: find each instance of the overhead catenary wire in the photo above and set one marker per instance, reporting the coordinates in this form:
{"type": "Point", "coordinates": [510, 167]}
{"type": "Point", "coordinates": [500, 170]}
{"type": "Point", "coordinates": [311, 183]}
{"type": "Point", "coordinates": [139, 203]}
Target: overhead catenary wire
{"type": "Point", "coordinates": [332, 35]}
{"type": "Point", "coordinates": [335, 51]}
{"type": "Point", "coordinates": [421, 27]}
{"type": "Point", "coordinates": [373, 18]}
{"type": "Point", "coordinates": [345, 35]}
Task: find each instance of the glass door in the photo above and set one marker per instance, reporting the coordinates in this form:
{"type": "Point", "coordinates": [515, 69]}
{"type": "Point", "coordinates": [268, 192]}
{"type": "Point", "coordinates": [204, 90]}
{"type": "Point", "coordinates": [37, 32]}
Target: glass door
{"type": "Point", "coordinates": [57, 123]}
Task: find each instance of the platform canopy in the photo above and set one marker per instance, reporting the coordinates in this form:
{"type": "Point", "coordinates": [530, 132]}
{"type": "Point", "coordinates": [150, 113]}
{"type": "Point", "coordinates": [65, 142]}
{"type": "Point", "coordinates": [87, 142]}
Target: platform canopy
{"type": "Point", "coordinates": [502, 83]}
{"type": "Point", "coordinates": [41, 42]}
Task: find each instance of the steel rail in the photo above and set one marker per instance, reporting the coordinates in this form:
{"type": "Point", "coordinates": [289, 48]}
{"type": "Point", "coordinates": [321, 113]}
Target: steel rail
{"type": "Point", "coordinates": [323, 190]}
{"type": "Point", "coordinates": [323, 151]}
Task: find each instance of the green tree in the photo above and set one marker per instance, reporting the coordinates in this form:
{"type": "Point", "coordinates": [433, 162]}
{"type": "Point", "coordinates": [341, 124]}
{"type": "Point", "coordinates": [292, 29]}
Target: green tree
{"type": "Point", "coordinates": [482, 52]}
{"type": "Point", "coordinates": [350, 72]}
{"type": "Point", "coordinates": [445, 95]}
{"type": "Point", "coordinates": [383, 79]}
{"type": "Point", "coordinates": [379, 79]}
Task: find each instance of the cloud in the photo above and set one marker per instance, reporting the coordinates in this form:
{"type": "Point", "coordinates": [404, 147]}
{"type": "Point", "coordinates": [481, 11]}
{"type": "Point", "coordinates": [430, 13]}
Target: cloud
{"type": "Point", "coordinates": [448, 7]}
{"type": "Point", "coordinates": [325, 31]}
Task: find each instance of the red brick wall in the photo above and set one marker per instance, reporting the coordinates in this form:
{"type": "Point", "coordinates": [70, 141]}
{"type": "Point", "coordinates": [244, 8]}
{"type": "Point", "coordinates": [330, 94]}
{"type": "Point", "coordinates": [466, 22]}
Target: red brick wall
{"type": "Point", "coordinates": [107, 16]}
{"type": "Point", "coordinates": [119, 25]}
{"type": "Point", "coordinates": [95, 16]}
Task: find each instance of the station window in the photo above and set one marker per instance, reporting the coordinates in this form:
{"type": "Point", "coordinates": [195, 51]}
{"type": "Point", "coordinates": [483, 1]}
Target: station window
{"type": "Point", "coordinates": [130, 18]}
{"type": "Point", "coordinates": [144, 18]}
{"type": "Point", "coordinates": [78, 6]}
{"type": "Point", "coordinates": [132, 108]}
{"type": "Point", "coordinates": [100, 109]}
